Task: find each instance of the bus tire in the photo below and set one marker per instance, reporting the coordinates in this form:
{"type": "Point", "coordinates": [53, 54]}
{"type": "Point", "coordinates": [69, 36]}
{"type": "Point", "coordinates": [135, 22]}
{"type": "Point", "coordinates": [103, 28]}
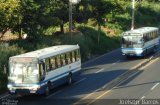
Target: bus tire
{"type": "Point", "coordinates": [70, 80]}
{"type": "Point", "coordinates": [48, 88]}
{"type": "Point", "coordinates": [145, 54]}
{"type": "Point", "coordinates": [154, 49]}
{"type": "Point", "coordinates": [128, 57]}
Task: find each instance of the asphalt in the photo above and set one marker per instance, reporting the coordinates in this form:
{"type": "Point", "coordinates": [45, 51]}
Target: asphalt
{"type": "Point", "coordinates": [145, 85]}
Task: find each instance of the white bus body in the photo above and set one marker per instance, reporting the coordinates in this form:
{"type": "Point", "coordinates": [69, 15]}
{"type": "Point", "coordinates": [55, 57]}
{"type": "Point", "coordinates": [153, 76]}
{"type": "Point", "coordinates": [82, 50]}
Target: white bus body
{"type": "Point", "coordinates": [39, 71]}
{"type": "Point", "coordinates": [139, 42]}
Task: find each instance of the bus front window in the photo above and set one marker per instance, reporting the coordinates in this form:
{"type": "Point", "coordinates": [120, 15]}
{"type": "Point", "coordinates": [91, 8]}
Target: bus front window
{"type": "Point", "coordinates": [23, 72]}
{"type": "Point", "coordinates": [132, 42]}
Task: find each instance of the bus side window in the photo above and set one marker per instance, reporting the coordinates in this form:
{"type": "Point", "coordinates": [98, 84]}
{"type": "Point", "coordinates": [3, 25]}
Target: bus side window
{"type": "Point", "coordinates": [144, 37]}
{"type": "Point", "coordinates": [47, 62]}
{"type": "Point", "coordinates": [147, 37]}
{"type": "Point", "coordinates": [63, 63]}
{"type": "Point", "coordinates": [78, 54]}
{"type": "Point", "coordinates": [58, 60]}
{"type": "Point", "coordinates": [73, 56]}
{"type": "Point", "coordinates": [53, 63]}
{"type": "Point", "coordinates": [69, 58]}
{"type": "Point", "coordinates": [66, 60]}
{"type": "Point", "coordinates": [75, 53]}
{"type": "Point", "coordinates": [156, 34]}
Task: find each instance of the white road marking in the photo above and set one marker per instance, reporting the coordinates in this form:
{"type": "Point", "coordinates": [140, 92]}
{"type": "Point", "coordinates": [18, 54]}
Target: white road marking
{"type": "Point", "coordinates": [100, 70]}
{"type": "Point", "coordinates": [155, 86]}
{"type": "Point", "coordinates": [142, 97]}
{"type": "Point", "coordinates": [79, 81]}
{"type": "Point", "coordinates": [109, 67]}
{"type": "Point", "coordinates": [4, 96]}
{"type": "Point", "coordinates": [116, 62]}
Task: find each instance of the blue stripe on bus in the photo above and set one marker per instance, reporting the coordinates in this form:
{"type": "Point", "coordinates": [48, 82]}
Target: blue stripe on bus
{"type": "Point", "coordinates": [142, 48]}
{"type": "Point", "coordinates": [57, 76]}
{"type": "Point", "coordinates": [43, 87]}
{"type": "Point", "coordinates": [27, 85]}
{"type": "Point", "coordinates": [133, 48]}
{"type": "Point", "coordinates": [56, 83]}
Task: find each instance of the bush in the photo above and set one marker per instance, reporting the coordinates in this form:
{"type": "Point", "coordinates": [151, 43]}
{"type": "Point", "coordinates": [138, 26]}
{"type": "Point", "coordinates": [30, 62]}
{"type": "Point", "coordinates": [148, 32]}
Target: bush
{"type": "Point", "coordinates": [5, 53]}
{"type": "Point", "coordinates": [91, 47]}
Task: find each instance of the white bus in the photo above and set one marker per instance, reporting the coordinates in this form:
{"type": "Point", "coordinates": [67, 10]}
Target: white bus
{"type": "Point", "coordinates": [39, 71]}
{"type": "Point", "coordinates": [140, 42]}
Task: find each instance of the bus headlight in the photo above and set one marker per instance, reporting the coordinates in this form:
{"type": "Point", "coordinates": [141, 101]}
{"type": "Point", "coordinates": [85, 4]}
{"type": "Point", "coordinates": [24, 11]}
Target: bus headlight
{"type": "Point", "coordinates": [9, 86]}
{"type": "Point", "coordinates": [139, 51]}
{"type": "Point", "coordinates": [36, 87]}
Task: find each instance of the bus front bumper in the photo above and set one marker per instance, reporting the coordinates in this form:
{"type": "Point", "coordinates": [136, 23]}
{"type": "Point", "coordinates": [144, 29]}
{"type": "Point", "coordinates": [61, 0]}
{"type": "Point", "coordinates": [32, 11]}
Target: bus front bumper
{"type": "Point", "coordinates": [23, 90]}
{"type": "Point", "coordinates": [132, 53]}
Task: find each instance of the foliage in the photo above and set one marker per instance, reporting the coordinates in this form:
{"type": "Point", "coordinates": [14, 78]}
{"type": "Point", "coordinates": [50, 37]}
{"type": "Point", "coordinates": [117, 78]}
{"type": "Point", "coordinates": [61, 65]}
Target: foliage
{"type": "Point", "coordinates": [148, 14]}
{"type": "Point", "coordinates": [90, 47]}
{"type": "Point", "coordinates": [9, 14]}
{"type": "Point", "coordinates": [5, 53]}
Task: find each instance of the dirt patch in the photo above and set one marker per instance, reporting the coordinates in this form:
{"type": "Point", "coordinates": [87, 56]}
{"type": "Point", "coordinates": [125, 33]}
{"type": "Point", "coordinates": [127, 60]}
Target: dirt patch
{"type": "Point", "coordinates": [8, 36]}
{"type": "Point", "coordinates": [109, 32]}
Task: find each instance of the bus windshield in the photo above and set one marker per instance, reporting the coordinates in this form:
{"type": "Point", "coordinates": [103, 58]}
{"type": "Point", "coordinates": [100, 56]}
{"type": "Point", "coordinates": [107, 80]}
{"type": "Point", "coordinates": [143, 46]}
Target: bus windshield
{"type": "Point", "coordinates": [23, 72]}
{"type": "Point", "coordinates": [132, 42]}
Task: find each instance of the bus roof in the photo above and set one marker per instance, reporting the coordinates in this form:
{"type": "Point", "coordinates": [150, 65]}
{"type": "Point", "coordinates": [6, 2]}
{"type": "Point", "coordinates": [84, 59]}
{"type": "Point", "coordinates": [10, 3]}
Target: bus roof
{"type": "Point", "coordinates": [142, 30]}
{"type": "Point", "coordinates": [49, 51]}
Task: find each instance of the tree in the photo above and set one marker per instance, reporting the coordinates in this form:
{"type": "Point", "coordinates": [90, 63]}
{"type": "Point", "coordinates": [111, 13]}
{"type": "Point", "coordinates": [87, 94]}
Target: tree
{"type": "Point", "coordinates": [61, 11]}
{"type": "Point", "coordinates": [97, 10]}
{"type": "Point", "coordinates": [9, 14]}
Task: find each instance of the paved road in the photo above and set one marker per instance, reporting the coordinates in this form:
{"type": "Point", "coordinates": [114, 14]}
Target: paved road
{"type": "Point", "coordinates": [143, 88]}
{"type": "Point", "coordinates": [92, 84]}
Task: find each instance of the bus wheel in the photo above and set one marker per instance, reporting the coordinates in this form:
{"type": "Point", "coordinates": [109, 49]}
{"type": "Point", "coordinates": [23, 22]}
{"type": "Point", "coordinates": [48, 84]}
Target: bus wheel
{"type": "Point", "coordinates": [70, 79]}
{"type": "Point", "coordinates": [47, 90]}
{"type": "Point", "coordinates": [128, 57]}
{"type": "Point", "coordinates": [145, 53]}
{"type": "Point", "coordinates": [154, 49]}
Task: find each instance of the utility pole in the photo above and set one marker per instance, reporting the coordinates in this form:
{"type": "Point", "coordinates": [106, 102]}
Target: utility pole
{"type": "Point", "coordinates": [70, 18]}
{"type": "Point", "coordinates": [71, 2]}
{"type": "Point", "coordinates": [133, 8]}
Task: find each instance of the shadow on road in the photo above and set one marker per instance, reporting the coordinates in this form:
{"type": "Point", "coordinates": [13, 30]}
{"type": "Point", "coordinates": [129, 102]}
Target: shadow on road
{"type": "Point", "coordinates": [124, 85]}
{"type": "Point", "coordinates": [110, 59]}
